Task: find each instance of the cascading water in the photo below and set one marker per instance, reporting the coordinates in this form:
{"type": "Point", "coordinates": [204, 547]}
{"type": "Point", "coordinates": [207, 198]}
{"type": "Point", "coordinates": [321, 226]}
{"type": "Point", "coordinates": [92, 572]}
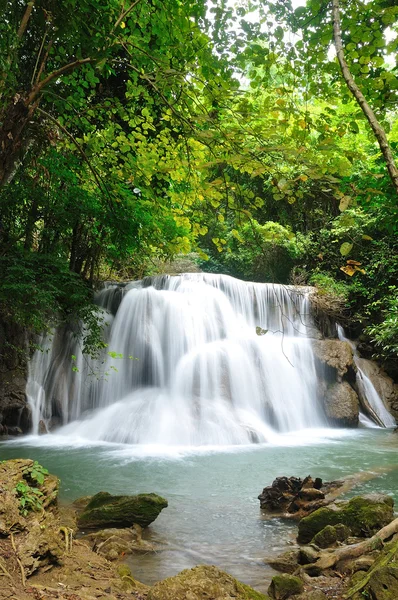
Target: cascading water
{"type": "Point", "coordinates": [194, 366]}
{"type": "Point", "coordinates": [367, 392]}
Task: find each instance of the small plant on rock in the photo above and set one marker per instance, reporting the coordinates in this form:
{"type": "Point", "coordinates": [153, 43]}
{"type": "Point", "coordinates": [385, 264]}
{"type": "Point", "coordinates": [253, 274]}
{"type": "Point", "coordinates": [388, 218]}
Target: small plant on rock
{"type": "Point", "coordinates": [29, 498]}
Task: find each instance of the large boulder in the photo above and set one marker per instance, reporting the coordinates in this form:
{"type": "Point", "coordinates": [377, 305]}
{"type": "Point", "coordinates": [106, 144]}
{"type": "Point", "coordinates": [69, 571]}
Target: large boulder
{"type": "Point", "coordinates": [384, 385]}
{"type": "Point", "coordinates": [364, 515]}
{"type": "Point", "coordinates": [105, 510]}
{"type": "Point", "coordinates": [341, 405]}
{"type": "Point", "coordinates": [203, 583]}
{"type": "Point", "coordinates": [334, 355]}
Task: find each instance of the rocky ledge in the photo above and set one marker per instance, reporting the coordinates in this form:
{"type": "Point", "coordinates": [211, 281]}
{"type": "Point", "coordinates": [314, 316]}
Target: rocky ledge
{"type": "Point", "coordinates": [347, 549]}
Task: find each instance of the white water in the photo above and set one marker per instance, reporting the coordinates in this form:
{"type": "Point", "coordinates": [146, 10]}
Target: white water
{"type": "Point", "coordinates": [193, 370]}
{"type": "Point", "coordinates": [368, 390]}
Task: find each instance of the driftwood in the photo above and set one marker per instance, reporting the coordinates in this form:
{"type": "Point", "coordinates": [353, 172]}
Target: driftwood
{"type": "Point", "coordinates": [327, 560]}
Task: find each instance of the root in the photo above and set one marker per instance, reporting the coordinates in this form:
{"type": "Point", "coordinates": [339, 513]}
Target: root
{"type": "Point", "coordinates": [376, 542]}
{"type": "Point", "coordinates": [23, 576]}
{"type": "Point", "coordinates": [382, 562]}
{"type": "Point", "coordinates": [5, 572]}
{"type": "Point", "coordinates": [68, 533]}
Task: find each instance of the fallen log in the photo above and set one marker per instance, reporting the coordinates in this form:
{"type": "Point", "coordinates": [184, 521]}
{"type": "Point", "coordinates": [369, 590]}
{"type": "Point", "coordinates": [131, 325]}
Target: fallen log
{"type": "Point", "coordinates": [328, 560]}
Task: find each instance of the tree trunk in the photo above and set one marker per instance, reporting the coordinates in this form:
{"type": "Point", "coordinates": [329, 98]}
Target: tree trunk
{"type": "Point", "coordinates": [361, 100]}
{"type": "Point", "coordinates": [12, 142]}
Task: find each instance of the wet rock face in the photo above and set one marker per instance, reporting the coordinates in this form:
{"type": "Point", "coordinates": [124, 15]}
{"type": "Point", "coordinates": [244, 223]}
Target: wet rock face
{"type": "Point", "coordinates": [115, 543]}
{"type": "Point", "coordinates": [384, 385]}
{"type": "Point", "coordinates": [341, 405]}
{"type": "Point", "coordinates": [14, 411]}
{"type": "Point", "coordinates": [363, 515]}
{"type": "Point", "coordinates": [336, 355]}
{"type": "Point", "coordinates": [105, 510]}
{"type": "Point", "coordinates": [203, 583]}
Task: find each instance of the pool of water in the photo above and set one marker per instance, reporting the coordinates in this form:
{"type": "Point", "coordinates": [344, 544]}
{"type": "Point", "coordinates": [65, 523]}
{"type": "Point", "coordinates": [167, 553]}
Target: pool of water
{"type": "Point", "coordinates": [213, 515]}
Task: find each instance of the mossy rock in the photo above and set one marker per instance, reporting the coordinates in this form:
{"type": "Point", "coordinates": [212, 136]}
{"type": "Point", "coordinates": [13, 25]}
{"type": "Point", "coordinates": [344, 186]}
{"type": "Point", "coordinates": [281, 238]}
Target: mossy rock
{"type": "Point", "coordinates": [364, 515]}
{"type": "Point", "coordinates": [329, 535]}
{"type": "Point", "coordinates": [105, 510]}
{"type": "Point", "coordinates": [284, 586]}
{"type": "Point", "coordinates": [203, 583]}
{"type": "Point", "coordinates": [383, 584]}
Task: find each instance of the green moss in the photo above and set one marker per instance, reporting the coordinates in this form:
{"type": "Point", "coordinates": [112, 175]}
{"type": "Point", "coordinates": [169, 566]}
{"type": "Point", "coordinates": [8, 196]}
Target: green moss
{"type": "Point", "coordinates": [284, 586]}
{"type": "Point", "coordinates": [202, 583]}
{"type": "Point", "coordinates": [249, 594]}
{"type": "Point", "coordinates": [105, 510]}
{"type": "Point", "coordinates": [364, 515]}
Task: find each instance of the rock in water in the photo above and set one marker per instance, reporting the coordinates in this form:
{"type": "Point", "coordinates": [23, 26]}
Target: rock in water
{"type": "Point", "coordinates": [364, 515]}
{"type": "Point", "coordinates": [203, 583]}
{"type": "Point", "coordinates": [105, 510]}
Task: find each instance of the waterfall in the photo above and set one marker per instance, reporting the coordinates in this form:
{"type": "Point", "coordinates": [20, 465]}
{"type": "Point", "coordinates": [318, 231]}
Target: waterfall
{"type": "Point", "coordinates": [368, 395]}
{"type": "Point", "coordinates": [195, 359]}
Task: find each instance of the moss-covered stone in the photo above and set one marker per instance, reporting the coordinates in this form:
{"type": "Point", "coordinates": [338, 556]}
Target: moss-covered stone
{"type": "Point", "coordinates": [203, 583]}
{"type": "Point", "coordinates": [383, 584]}
{"type": "Point", "coordinates": [105, 510]}
{"type": "Point", "coordinates": [364, 515]}
{"type": "Point", "coordinates": [284, 586]}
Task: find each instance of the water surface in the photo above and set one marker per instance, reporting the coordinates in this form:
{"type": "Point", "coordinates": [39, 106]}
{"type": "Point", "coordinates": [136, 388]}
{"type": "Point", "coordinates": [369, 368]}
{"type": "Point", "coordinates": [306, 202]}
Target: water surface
{"type": "Point", "coordinates": [213, 515]}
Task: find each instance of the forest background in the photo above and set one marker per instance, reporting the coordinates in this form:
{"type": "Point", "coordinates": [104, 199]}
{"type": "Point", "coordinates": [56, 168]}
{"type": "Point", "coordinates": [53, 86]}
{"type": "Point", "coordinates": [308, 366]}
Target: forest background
{"type": "Point", "coordinates": [134, 132]}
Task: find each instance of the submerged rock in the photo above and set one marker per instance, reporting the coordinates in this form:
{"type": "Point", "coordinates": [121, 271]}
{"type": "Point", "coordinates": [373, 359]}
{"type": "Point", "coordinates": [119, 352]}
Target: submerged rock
{"type": "Point", "coordinates": [105, 510]}
{"type": "Point", "coordinates": [364, 515]}
{"type": "Point", "coordinates": [341, 405]}
{"type": "Point", "coordinates": [114, 543]}
{"type": "Point", "coordinates": [284, 586]}
{"type": "Point", "coordinates": [203, 583]}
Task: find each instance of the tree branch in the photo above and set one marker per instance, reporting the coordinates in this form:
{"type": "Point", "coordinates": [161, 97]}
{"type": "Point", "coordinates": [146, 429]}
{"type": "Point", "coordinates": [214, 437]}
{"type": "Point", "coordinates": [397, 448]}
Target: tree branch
{"type": "Point", "coordinates": [361, 100]}
{"type": "Point", "coordinates": [41, 84]}
{"type": "Point", "coordinates": [25, 19]}
{"type": "Point", "coordinates": [124, 15]}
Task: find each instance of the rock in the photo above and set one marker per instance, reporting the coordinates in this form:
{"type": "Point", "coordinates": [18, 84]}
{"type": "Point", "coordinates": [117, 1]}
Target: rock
{"type": "Point", "coordinates": [12, 472]}
{"type": "Point", "coordinates": [114, 543]}
{"type": "Point", "coordinates": [384, 385]}
{"type": "Point", "coordinates": [336, 355]}
{"type": "Point", "coordinates": [312, 595]}
{"type": "Point", "coordinates": [307, 555]}
{"type": "Point", "coordinates": [42, 428]}
{"type": "Point", "coordinates": [284, 586]}
{"type": "Point", "coordinates": [286, 562]}
{"type": "Point", "coordinates": [13, 377]}
{"type": "Point", "coordinates": [364, 515]}
{"type": "Point", "coordinates": [294, 496]}
{"type": "Point", "coordinates": [105, 510]}
{"type": "Point", "coordinates": [203, 583]}
{"type": "Point", "coordinates": [329, 535]}
{"type": "Point", "coordinates": [383, 584]}
{"type": "Point", "coordinates": [279, 495]}
{"type": "Point", "coordinates": [30, 514]}
{"type": "Point", "coordinates": [341, 405]}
